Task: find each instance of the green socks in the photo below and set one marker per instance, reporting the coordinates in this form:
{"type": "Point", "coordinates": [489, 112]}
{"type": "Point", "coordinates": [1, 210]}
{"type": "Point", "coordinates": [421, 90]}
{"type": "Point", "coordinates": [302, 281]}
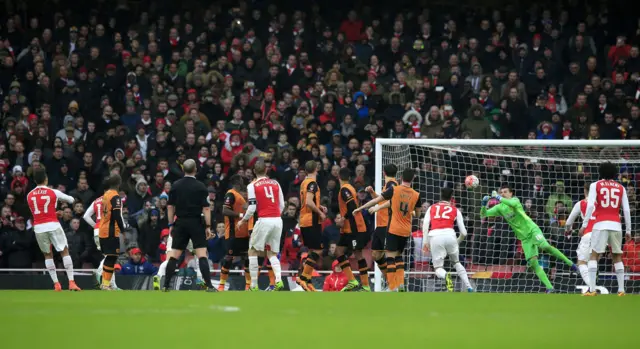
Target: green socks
{"type": "Point", "coordinates": [556, 253]}
{"type": "Point", "coordinates": [540, 272]}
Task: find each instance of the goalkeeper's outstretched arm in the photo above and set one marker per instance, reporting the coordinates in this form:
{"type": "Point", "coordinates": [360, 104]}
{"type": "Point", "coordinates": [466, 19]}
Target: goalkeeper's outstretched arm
{"type": "Point", "coordinates": [489, 212]}
{"type": "Point", "coordinates": [513, 202]}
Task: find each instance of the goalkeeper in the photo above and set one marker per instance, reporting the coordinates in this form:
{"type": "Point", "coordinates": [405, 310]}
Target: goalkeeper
{"type": "Point", "coordinates": [525, 230]}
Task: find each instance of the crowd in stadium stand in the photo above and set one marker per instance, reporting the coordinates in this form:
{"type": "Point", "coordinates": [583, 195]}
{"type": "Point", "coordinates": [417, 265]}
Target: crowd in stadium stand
{"type": "Point", "coordinates": [138, 87]}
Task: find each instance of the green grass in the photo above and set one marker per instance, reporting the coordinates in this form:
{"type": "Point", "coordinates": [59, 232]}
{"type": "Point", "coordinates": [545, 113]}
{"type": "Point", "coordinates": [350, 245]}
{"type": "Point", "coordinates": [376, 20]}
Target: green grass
{"type": "Point", "coordinates": [153, 320]}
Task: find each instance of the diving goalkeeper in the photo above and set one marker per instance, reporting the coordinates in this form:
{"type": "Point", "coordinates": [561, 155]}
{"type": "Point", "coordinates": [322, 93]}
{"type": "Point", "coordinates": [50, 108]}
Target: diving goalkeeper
{"type": "Point", "coordinates": [525, 230]}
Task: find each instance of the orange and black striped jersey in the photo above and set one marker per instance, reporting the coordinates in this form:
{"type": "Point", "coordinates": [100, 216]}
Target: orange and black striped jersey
{"type": "Point", "coordinates": [382, 216]}
{"type": "Point", "coordinates": [404, 201]}
{"type": "Point", "coordinates": [347, 202]}
{"type": "Point", "coordinates": [308, 218]}
{"type": "Point", "coordinates": [111, 222]}
{"type": "Point", "coordinates": [235, 202]}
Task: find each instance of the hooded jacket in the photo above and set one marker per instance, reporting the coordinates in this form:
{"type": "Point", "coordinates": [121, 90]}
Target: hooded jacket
{"type": "Point", "coordinates": [477, 126]}
{"type": "Point", "coordinates": [135, 202]}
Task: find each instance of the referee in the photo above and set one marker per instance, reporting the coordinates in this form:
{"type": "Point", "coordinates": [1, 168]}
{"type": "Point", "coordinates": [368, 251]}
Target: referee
{"type": "Point", "coordinates": [188, 201]}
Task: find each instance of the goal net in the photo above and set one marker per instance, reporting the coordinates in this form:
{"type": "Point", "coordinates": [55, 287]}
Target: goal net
{"type": "Point", "coordinates": [548, 177]}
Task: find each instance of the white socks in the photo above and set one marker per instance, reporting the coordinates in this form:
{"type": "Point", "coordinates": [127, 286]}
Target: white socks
{"type": "Point", "coordinates": [462, 274]}
{"type": "Point", "coordinates": [593, 271]}
{"type": "Point", "coordinates": [51, 268]}
{"type": "Point", "coordinates": [68, 265]}
{"type": "Point", "coordinates": [253, 270]}
{"type": "Point", "coordinates": [584, 272]}
{"type": "Point", "coordinates": [162, 269]}
{"type": "Point", "coordinates": [440, 273]}
{"type": "Point", "coordinates": [619, 268]}
{"type": "Point", "coordinates": [275, 266]}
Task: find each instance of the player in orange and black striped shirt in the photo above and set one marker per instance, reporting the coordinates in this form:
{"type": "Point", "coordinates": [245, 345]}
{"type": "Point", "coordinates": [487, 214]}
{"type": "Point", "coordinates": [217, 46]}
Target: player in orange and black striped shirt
{"type": "Point", "coordinates": [236, 239]}
{"type": "Point", "coordinates": [404, 203]}
{"type": "Point", "coordinates": [111, 224]}
{"type": "Point", "coordinates": [353, 233]}
{"type": "Point", "coordinates": [379, 237]}
{"type": "Point", "coordinates": [312, 214]}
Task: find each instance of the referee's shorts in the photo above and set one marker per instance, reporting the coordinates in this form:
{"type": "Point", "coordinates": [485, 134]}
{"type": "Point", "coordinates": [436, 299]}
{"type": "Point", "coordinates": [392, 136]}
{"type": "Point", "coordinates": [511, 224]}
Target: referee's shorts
{"type": "Point", "coordinates": [187, 229]}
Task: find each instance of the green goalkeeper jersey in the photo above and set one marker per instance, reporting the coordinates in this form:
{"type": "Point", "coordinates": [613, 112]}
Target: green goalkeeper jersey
{"type": "Point", "coordinates": [513, 212]}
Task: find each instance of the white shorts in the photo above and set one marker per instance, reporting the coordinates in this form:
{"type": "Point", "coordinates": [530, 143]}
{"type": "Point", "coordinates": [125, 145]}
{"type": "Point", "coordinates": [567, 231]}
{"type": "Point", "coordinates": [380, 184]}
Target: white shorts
{"type": "Point", "coordinates": [601, 238]}
{"type": "Point", "coordinates": [170, 241]}
{"type": "Point", "coordinates": [55, 238]}
{"type": "Point", "coordinates": [442, 246]}
{"type": "Point", "coordinates": [584, 248]}
{"type": "Point", "coordinates": [266, 231]}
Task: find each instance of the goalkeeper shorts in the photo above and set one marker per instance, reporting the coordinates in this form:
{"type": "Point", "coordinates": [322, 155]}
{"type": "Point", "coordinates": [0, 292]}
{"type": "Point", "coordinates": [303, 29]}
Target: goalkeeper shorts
{"type": "Point", "coordinates": [532, 244]}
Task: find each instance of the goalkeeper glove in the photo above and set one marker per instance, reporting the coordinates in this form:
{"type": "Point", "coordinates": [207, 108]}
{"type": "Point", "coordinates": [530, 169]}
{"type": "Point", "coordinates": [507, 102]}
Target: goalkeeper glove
{"type": "Point", "coordinates": [494, 194]}
{"type": "Point", "coordinates": [485, 200]}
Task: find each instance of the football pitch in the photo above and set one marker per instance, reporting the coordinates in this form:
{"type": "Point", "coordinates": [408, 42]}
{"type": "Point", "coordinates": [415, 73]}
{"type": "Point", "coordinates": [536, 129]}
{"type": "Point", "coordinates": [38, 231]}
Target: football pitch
{"type": "Point", "coordinates": [181, 319]}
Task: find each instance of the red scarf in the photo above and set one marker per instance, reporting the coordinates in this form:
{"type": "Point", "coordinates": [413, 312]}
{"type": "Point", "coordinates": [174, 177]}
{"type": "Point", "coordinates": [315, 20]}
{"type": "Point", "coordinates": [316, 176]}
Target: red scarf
{"type": "Point", "coordinates": [266, 110]}
{"type": "Point", "coordinates": [551, 103]}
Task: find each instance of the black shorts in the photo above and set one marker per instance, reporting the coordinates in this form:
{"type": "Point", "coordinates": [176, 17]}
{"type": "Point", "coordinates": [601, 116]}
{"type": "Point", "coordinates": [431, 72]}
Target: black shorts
{"type": "Point", "coordinates": [110, 245]}
{"type": "Point", "coordinates": [396, 243]}
{"type": "Point", "coordinates": [378, 239]}
{"type": "Point", "coordinates": [187, 229]}
{"type": "Point", "coordinates": [354, 241]}
{"type": "Point", "coordinates": [312, 237]}
{"type": "Point", "coordinates": [237, 246]}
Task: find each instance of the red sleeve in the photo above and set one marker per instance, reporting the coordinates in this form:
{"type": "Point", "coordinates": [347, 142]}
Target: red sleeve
{"type": "Point", "coordinates": [327, 284]}
{"type": "Point", "coordinates": [343, 26]}
{"type": "Point", "coordinates": [612, 52]}
{"type": "Point", "coordinates": [226, 156]}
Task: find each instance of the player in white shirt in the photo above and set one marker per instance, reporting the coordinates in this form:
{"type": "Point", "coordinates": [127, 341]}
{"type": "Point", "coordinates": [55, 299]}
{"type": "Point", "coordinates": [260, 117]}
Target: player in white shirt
{"type": "Point", "coordinates": [42, 202]}
{"type": "Point", "coordinates": [95, 209]}
{"type": "Point", "coordinates": [584, 247]}
{"type": "Point", "coordinates": [606, 197]}
{"type": "Point", "coordinates": [264, 197]}
{"type": "Point", "coordinates": [441, 238]}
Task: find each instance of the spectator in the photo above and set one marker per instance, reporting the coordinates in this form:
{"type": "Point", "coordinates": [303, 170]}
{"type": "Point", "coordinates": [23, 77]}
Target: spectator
{"type": "Point", "coordinates": [82, 191]}
{"type": "Point", "coordinates": [559, 196]}
{"type": "Point", "coordinates": [475, 123]}
{"type": "Point", "coordinates": [16, 243]}
{"type": "Point", "coordinates": [329, 256]}
{"type": "Point", "coordinates": [78, 243]}
{"type": "Point", "coordinates": [137, 264]}
{"type": "Point", "coordinates": [149, 236]}
{"type": "Point", "coordinates": [216, 246]}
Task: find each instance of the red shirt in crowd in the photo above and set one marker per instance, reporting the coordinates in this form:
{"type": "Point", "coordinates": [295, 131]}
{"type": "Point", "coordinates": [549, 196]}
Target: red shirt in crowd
{"type": "Point", "coordinates": [351, 29]}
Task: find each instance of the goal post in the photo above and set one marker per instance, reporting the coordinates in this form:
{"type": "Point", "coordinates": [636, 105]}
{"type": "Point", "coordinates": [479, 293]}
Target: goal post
{"type": "Point", "coordinates": [548, 177]}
